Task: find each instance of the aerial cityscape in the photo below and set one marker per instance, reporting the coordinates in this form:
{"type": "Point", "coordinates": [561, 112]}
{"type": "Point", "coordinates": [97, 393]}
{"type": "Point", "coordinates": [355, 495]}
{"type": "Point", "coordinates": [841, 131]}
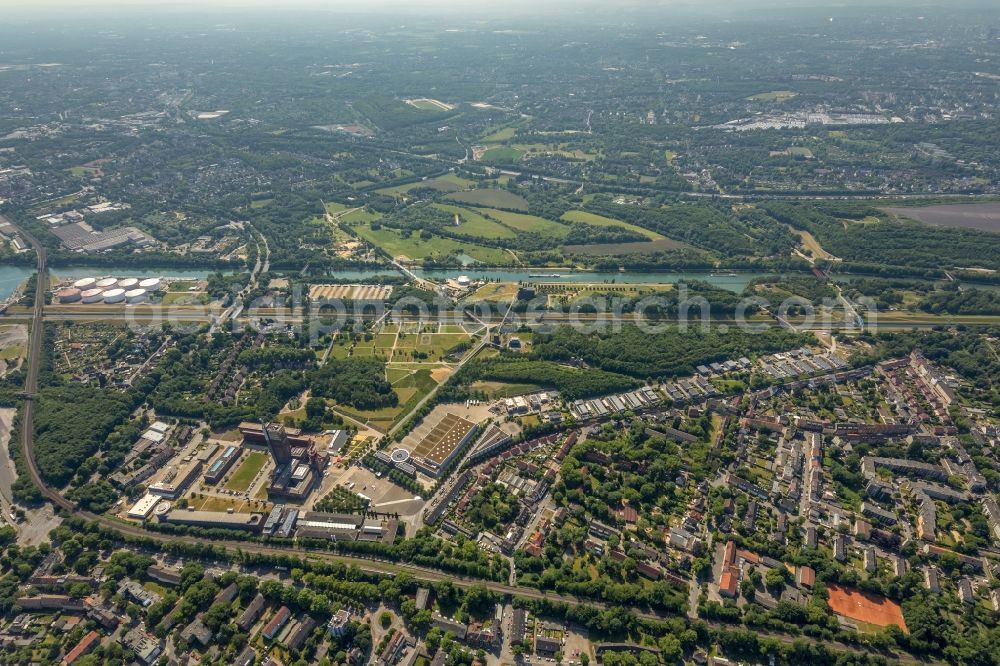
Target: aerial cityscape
{"type": "Point", "coordinates": [448, 334]}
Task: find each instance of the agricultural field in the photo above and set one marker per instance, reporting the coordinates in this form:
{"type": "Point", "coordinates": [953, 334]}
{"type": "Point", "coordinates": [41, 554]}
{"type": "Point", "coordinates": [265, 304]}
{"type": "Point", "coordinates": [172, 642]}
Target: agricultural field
{"type": "Point", "coordinates": [984, 217]}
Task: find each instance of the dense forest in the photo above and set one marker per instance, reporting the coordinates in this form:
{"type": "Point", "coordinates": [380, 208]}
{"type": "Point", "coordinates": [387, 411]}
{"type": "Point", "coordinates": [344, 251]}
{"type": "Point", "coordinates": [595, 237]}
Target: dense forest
{"type": "Point", "coordinates": [355, 381]}
{"type": "Point", "coordinates": [862, 234]}
{"type": "Point", "coordinates": [643, 354]}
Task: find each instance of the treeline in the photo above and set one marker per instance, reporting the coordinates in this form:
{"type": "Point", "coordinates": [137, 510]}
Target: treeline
{"type": "Point", "coordinates": [962, 302]}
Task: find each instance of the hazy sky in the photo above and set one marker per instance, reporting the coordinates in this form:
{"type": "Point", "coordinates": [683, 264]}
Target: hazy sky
{"type": "Point", "coordinates": [467, 5]}
{"type": "Point", "coordinates": [595, 10]}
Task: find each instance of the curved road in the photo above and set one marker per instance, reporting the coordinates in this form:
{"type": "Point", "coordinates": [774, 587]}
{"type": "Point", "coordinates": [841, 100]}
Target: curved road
{"type": "Point", "coordinates": [368, 565]}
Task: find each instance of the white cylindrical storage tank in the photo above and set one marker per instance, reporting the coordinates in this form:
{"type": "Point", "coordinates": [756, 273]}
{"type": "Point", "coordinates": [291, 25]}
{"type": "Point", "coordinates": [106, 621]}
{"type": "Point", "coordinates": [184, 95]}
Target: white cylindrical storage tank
{"type": "Point", "coordinates": [68, 295]}
{"type": "Point", "coordinates": [114, 296]}
{"type": "Point", "coordinates": [106, 283]}
{"type": "Point", "coordinates": [127, 283]}
{"type": "Point", "coordinates": [85, 283]}
{"type": "Point", "coordinates": [135, 296]}
{"type": "Point", "coordinates": [92, 296]}
{"type": "Point", "coordinates": [151, 284]}
{"type": "Point", "coordinates": [464, 281]}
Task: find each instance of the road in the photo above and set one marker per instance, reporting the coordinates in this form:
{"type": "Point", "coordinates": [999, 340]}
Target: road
{"type": "Point", "coordinates": [151, 314]}
{"type": "Point", "coordinates": [262, 265]}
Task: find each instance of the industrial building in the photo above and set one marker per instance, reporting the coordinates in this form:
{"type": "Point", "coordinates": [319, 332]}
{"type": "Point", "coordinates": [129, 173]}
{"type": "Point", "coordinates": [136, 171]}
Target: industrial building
{"type": "Point", "coordinates": [345, 527]}
{"type": "Point", "coordinates": [223, 464]}
{"type": "Point", "coordinates": [297, 462]}
{"type": "Point", "coordinates": [174, 481]}
{"type": "Point", "coordinates": [248, 522]}
{"type": "Point", "coordinates": [142, 509]}
{"type": "Point", "coordinates": [435, 443]}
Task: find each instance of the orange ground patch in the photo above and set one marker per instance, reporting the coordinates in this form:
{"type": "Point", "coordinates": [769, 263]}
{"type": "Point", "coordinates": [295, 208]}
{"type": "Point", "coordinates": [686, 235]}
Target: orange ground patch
{"type": "Point", "coordinates": [865, 607]}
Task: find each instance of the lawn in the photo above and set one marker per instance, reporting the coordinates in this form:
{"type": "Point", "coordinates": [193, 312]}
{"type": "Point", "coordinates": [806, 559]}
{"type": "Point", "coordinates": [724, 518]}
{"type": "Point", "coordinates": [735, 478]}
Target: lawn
{"type": "Point", "coordinates": [502, 154]}
{"type": "Point", "coordinates": [241, 479]}
{"type": "Point", "coordinates": [601, 221]}
{"type": "Point", "coordinates": [490, 198]}
{"type": "Point", "coordinates": [474, 225]}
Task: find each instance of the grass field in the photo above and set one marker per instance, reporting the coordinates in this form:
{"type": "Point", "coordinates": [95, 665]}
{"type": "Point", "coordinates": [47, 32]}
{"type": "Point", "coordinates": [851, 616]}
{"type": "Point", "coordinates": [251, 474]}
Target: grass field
{"type": "Point", "coordinates": [490, 198]}
{"type": "Point", "coordinates": [531, 224]}
{"type": "Point", "coordinates": [474, 225]}
{"type": "Point", "coordinates": [560, 149]}
{"type": "Point", "coordinates": [11, 353]}
{"type": "Point", "coordinates": [360, 216]}
{"type": "Point", "coordinates": [501, 135]}
{"type": "Point", "coordinates": [810, 243]}
{"type": "Point", "coordinates": [410, 387]}
{"type": "Point", "coordinates": [244, 475]}
{"type": "Point", "coordinates": [502, 154]}
{"type": "Point", "coordinates": [601, 221]}
{"type": "Point", "coordinates": [427, 104]}
{"type": "Point", "coordinates": [773, 96]}
{"type": "Point", "coordinates": [83, 171]}
{"type": "Point", "coordinates": [502, 390]}
{"type": "Point", "coordinates": [185, 298]}
{"type": "Point", "coordinates": [416, 249]}
{"type": "Point", "coordinates": [446, 183]}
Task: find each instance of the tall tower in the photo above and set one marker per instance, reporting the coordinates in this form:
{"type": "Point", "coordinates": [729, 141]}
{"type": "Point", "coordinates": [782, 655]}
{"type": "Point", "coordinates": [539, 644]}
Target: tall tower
{"type": "Point", "coordinates": [277, 442]}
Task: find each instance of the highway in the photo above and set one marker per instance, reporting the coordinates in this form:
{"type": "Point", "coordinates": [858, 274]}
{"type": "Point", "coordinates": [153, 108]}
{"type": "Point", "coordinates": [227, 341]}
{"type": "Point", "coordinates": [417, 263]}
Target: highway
{"type": "Point", "coordinates": [234, 547]}
{"type": "Point", "coordinates": [147, 314]}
